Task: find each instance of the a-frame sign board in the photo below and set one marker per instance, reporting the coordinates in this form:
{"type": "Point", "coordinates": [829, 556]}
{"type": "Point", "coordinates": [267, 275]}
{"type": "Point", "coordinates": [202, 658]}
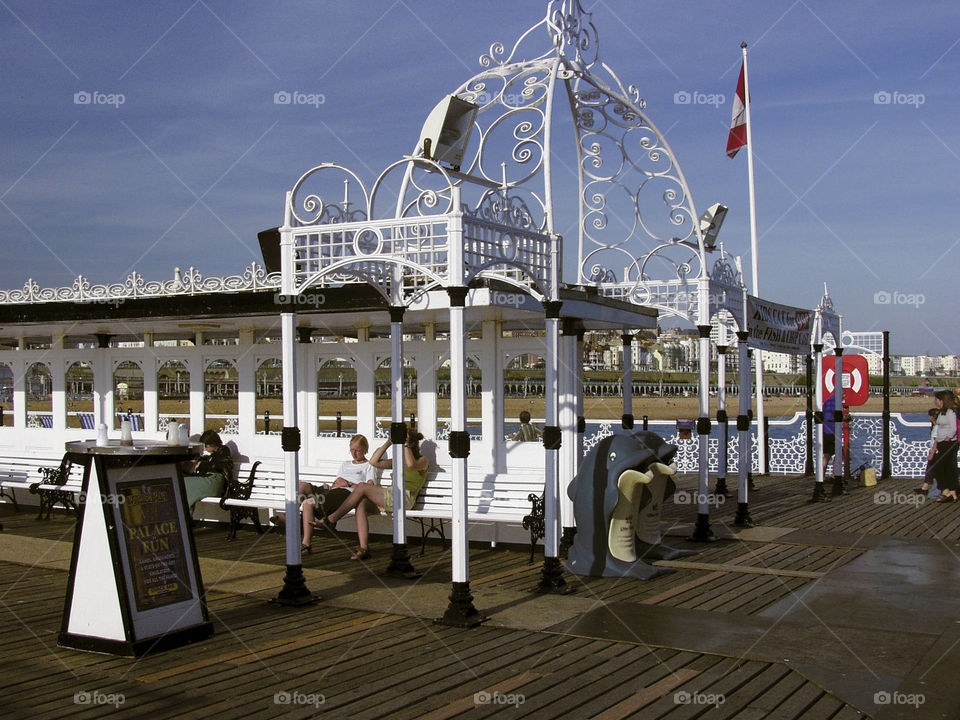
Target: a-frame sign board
{"type": "Point", "coordinates": [134, 584]}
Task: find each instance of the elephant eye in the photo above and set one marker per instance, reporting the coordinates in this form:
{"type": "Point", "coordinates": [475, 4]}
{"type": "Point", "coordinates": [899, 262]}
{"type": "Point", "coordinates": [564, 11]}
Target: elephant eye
{"type": "Point", "coordinates": [613, 456]}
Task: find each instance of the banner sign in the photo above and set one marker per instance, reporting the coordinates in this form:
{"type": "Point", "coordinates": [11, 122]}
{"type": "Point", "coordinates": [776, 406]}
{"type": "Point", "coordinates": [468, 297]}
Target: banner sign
{"type": "Point", "coordinates": [778, 328]}
{"type": "Point", "coordinates": [154, 542]}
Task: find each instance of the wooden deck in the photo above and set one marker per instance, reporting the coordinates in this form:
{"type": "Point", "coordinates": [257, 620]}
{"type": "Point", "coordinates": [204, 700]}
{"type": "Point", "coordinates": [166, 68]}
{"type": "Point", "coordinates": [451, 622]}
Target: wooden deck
{"type": "Point", "coordinates": [752, 626]}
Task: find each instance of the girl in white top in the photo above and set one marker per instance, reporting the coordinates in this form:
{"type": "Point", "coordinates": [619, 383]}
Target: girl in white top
{"type": "Point", "coordinates": [944, 461]}
{"type": "Point", "coordinates": [366, 497]}
{"type": "Point", "coordinates": [355, 471]}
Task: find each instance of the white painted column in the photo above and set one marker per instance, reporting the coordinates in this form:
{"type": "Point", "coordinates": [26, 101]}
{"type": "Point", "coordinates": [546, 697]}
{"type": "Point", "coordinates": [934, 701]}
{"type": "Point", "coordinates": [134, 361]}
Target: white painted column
{"type": "Point", "coordinates": [724, 434]}
{"type": "Point", "coordinates": [397, 428]}
{"type": "Point", "coordinates": [838, 488]}
{"type": "Point", "coordinates": [581, 421]}
{"type": "Point", "coordinates": [103, 382]}
{"type": "Point", "coordinates": [551, 576]}
{"type": "Point", "coordinates": [366, 392]}
{"type": "Point", "coordinates": [151, 397]}
{"type": "Point", "coordinates": [308, 421]}
{"type": "Point", "coordinates": [290, 450]}
{"type": "Point", "coordinates": [569, 371]}
{"type": "Point", "coordinates": [491, 395]}
{"type": "Point", "coordinates": [294, 591]}
{"type": "Point", "coordinates": [460, 612]}
{"type": "Point", "coordinates": [458, 455]}
{"type": "Point", "coordinates": [58, 384]}
{"type": "Point", "coordinates": [198, 412]}
{"type": "Point", "coordinates": [743, 418]}
{"type": "Point", "coordinates": [400, 565]}
{"type": "Point", "coordinates": [818, 470]}
{"type": "Point", "coordinates": [426, 361]}
{"type": "Point", "coordinates": [304, 369]}
{"type": "Point", "coordinates": [246, 385]}
{"type": "Point", "coordinates": [626, 421]}
{"type": "Point", "coordinates": [57, 363]}
{"type": "Point", "coordinates": [702, 531]}
{"type": "Point", "coordinates": [19, 368]}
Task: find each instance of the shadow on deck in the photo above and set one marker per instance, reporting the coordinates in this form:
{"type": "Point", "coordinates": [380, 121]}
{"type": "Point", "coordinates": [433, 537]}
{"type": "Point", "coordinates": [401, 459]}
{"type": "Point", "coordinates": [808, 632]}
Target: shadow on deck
{"type": "Point", "coordinates": [835, 610]}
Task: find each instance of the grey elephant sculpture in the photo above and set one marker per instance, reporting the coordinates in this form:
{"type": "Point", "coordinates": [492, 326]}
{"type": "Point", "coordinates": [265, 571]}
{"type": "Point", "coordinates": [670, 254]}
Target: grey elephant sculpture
{"type": "Point", "coordinates": [617, 498]}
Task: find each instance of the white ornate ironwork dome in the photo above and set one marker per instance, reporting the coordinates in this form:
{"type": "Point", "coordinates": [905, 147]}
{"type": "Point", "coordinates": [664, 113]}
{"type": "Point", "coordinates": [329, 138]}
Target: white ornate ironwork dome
{"type": "Point", "coordinates": [637, 220]}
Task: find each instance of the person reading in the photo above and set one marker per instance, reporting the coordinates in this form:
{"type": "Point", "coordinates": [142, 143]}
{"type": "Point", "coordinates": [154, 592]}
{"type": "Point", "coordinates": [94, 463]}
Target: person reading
{"type": "Point", "coordinates": [355, 471]}
{"type": "Point", "coordinates": [371, 498]}
{"type": "Point", "coordinates": [207, 476]}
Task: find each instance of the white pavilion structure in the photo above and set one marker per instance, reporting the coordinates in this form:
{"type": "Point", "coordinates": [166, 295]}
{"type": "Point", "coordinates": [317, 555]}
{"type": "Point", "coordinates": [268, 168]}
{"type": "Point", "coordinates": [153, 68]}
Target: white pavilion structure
{"type": "Point", "coordinates": [450, 257]}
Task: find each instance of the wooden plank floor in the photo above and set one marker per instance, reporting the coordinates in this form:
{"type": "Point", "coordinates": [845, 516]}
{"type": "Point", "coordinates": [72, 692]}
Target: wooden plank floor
{"type": "Point", "coordinates": [269, 661]}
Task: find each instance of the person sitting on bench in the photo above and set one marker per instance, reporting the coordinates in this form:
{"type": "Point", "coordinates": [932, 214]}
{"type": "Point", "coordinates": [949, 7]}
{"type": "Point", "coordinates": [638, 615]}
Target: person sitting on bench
{"type": "Point", "coordinates": [369, 497]}
{"type": "Point", "coordinates": [207, 475]}
{"type": "Point", "coordinates": [352, 472]}
{"type": "Point", "coordinates": [527, 432]}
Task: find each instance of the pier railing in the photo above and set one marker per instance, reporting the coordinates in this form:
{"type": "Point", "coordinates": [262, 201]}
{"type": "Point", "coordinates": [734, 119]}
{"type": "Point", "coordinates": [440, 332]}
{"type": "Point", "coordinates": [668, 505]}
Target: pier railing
{"type": "Point", "coordinates": [909, 444]}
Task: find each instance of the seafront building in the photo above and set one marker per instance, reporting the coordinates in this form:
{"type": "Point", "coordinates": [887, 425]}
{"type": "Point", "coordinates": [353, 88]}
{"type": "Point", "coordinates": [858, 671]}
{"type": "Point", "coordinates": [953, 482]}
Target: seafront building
{"type": "Point", "coordinates": [677, 350]}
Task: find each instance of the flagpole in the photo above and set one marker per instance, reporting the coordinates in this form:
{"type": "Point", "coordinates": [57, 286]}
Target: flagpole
{"type": "Point", "coordinates": [761, 434]}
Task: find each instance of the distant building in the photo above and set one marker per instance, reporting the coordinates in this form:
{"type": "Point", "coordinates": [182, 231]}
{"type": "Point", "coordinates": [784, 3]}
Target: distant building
{"type": "Point", "coordinates": [678, 350]}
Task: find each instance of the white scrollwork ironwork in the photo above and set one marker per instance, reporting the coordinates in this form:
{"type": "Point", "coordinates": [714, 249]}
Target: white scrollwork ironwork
{"type": "Point", "coordinates": [231, 426]}
{"type": "Point", "coordinates": [633, 197]}
{"type": "Point", "coordinates": [191, 282]}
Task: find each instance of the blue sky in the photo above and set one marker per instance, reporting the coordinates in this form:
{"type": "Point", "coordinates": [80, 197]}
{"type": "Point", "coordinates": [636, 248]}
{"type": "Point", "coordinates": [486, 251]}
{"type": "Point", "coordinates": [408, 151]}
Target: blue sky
{"type": "Point", "coordinates": [853, 192]}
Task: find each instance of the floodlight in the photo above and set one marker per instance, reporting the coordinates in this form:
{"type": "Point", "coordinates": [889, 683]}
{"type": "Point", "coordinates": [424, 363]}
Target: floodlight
{"type": "Point", "coordinates": [710, 223]}
{"type": "Point", "coordinates": [446, 132]}
{"type": "Point", "coordinates": [270, 249]}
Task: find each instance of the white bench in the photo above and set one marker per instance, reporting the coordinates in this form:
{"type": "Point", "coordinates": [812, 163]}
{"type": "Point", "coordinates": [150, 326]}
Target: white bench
{"type": "Point", "coordinates": [42, 477]}
{"type": "Point", "coordinates": [503, 498]}
{"type": "Point", "coordinates": [260, 485]}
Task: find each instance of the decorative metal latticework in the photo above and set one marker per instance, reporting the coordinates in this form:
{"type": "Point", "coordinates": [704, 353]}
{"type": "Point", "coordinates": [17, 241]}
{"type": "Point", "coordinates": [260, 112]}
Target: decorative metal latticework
{"type": "Point", "coordinates": [191, 282]}
{"type": "Point", "coordinates": [411, 233]}
{"type": "Point", "coordinates": [636, 220]}
{"type": "Point", "coordinates": [727, 290]}
{"type": "Point", "coordinates": [909, 445]}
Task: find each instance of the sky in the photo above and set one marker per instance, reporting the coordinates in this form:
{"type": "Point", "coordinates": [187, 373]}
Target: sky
{"type": "Point", "coordinates": [145, 137]}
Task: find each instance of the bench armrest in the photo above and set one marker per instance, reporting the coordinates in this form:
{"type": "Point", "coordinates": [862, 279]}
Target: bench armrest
{"type": "Point", "coordinates": [238, 489]}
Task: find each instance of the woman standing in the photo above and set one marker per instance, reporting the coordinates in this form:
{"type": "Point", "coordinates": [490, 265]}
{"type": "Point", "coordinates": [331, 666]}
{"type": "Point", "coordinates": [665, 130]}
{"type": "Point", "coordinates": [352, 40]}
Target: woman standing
{"type": "Point", "coordinates": [943, 465]}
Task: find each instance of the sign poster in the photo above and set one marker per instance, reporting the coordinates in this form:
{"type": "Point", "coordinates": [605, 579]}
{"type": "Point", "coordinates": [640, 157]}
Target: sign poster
{"type": "Point", "coordinates": [157, 556]}
{"type": "Point", "coordinates": [778, 328]}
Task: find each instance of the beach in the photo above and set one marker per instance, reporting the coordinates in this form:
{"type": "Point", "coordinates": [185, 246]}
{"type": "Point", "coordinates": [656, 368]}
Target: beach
{"type": "Point", "coordinates": [594, 408]}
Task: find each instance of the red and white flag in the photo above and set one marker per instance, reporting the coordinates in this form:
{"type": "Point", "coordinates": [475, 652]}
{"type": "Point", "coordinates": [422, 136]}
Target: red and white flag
{"type": "Point", "coordinates": [738, 124]}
